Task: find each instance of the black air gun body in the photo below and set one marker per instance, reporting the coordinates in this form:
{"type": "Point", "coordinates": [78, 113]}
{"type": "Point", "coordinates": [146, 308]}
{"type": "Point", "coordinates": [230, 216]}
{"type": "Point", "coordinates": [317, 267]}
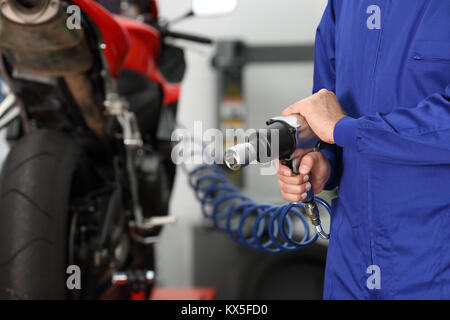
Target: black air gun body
{"type": "Point", "coordinates": [279, 140]}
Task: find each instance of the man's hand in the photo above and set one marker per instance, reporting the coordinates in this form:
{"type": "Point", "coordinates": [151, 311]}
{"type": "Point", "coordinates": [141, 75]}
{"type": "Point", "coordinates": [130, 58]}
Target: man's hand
{"type": "Point", "coordinates": [322, 111]}
{"type": "Point", "coordinates": [294, 187]}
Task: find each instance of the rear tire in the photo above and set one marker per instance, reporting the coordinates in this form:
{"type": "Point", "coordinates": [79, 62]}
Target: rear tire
{"type": "Point", "coordinates": [35, 188]}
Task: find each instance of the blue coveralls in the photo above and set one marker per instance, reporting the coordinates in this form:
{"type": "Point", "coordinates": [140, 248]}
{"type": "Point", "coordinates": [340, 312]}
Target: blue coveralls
{"type": "Point", "coordinates": [388, 61]}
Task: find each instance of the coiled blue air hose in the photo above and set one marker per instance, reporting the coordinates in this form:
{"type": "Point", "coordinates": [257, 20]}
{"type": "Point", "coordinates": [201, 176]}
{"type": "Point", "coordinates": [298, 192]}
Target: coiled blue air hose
{"type": "Point", "coordinates": [258, 226]}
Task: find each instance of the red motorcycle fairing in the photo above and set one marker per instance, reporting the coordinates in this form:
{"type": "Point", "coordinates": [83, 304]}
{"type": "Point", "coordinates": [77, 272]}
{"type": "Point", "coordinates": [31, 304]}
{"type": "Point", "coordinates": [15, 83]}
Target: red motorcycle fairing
{"type": "Point", "coordinates": [145, 47]}
{"type": "Point", "coordinates": [114, 35]}
{"type": "Point", "coordinates": [131, 45]}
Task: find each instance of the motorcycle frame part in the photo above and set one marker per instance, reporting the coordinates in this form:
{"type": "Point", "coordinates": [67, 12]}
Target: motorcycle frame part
{"type": "Point", "coordinates": [81, 89]}
{"type": "Point", "coordinates": [133, 143]}
{"type": "Point", "coordinates": [131, 133]}
{"type": "Point", "coordinates": [147, 225]}
{"type": "Point", "coordinates": [141, 226]}
{"type": "Point", "coordinates": [44, 101]}
{"type": "Point", "coordinates": [131, 138]}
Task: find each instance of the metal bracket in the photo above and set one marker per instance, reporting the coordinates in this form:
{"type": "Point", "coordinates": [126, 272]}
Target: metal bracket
{"type": "Point", "coordinates": [138, 229]}
{"type": "Point", "coordinates": [117, 106]}
{"type": "Point", "coordinates": [131, 134]}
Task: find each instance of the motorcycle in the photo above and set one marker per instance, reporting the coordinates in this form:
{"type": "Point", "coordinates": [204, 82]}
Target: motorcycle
{"type": "Point", "coordinates": [85, 189]}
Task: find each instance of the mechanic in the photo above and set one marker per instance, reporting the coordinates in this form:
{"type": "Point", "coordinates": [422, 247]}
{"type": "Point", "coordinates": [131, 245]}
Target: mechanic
{"type": "Point", "coordinates": [382, 105]}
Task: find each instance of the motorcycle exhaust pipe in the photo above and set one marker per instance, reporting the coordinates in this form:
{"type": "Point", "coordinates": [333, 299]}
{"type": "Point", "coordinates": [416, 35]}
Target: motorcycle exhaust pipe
{"type": "Point", "coordinates": [36, 35]}
{"type": "Point", "coordinates": [30, 4]}
{"type": "Point", "coordinates": [29, 12]}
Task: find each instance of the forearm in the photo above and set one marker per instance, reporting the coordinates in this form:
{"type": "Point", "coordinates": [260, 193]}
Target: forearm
{"type": "Point", "coordinates": [414, 136]}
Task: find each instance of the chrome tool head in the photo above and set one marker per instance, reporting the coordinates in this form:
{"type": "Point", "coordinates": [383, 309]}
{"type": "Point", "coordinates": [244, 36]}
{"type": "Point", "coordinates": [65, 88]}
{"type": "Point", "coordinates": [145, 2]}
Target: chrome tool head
{"type": "Point", "coordinates": [240, 155]}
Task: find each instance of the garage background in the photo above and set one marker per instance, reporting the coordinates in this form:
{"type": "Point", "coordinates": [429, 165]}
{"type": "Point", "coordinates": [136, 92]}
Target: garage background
{"type": "Point", "coordinates": [189, 253]}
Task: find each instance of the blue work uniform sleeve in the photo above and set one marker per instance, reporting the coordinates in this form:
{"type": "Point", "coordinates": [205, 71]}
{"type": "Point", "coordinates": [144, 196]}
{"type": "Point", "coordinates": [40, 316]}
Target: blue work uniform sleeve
{"type": "Point", "coordinates": [412, 136]}
{"type": "Point", "coordinates": [325, 78]}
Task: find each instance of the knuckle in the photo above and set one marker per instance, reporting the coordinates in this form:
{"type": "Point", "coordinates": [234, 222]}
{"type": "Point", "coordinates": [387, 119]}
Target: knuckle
{"type": "Point", "coordinates": [324, 92]}
{"type": "Point", "coordinates": [288, 110]}
{"type": "Point", "coordinates": [305, 188]}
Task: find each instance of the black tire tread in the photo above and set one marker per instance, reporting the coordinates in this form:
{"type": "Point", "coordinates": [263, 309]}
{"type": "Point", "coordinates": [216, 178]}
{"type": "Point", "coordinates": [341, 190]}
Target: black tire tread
{"type": "Point", "coordinates": [19, 165]}
{"type": "Point", "coordinates": [27, 198]}
{"type": "Point", "coordinates": [26, 246]}
{"type": "Point", "coordinates": [34, 196]}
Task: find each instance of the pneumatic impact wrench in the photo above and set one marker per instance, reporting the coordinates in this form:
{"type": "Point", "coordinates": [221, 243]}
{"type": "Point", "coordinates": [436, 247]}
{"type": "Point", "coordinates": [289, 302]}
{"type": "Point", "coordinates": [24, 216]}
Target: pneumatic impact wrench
{"type": "Point", "coordinates": [280, 139]}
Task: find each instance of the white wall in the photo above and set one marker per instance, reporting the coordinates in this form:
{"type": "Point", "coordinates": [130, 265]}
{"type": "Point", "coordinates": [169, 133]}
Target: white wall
{"type": "Point", "coordinates": [268, 90]}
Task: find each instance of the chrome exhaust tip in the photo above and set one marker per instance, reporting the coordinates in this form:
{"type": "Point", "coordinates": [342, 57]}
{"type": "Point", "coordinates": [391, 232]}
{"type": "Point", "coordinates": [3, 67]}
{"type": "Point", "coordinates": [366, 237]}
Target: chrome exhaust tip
{"type": "Point", "coordinates": [29, 11]}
